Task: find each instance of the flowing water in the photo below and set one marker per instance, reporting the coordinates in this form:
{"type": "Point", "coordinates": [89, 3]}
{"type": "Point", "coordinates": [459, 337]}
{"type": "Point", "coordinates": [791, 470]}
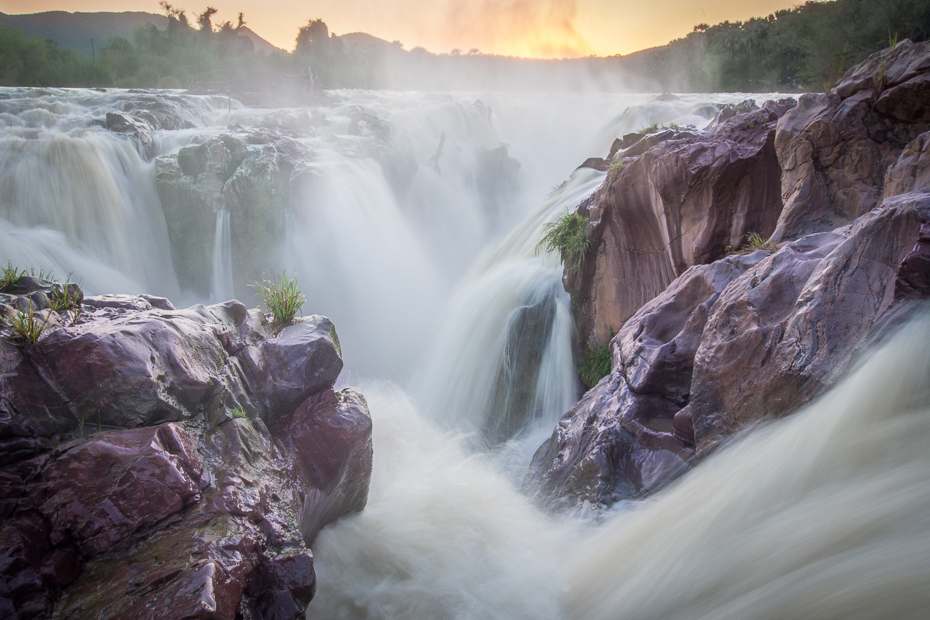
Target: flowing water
{"type": "Point", "coordinates": [413, 220]}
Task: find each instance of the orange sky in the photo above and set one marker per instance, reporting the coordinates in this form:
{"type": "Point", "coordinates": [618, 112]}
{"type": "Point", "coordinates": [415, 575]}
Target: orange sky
{"type": "Point", "coordinates": [534, 28]}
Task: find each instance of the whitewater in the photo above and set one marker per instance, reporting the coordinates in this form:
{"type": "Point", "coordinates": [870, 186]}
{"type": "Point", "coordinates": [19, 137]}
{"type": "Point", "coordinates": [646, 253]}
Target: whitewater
{"type": "Point", "coordinates": [825, 514]}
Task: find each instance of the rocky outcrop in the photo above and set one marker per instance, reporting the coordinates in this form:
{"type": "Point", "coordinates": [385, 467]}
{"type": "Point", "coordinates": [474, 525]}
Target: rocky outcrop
{"type": "Point", "coordinates": [141, 116]}
{"type": "Point", "coordinates": [163, 463]}
{"type": "Point", "coordinates": [737, 340]}
{"type": "Point", "coordinates": [618, 442]}
{"type": "Point", "coordinates": [224, 173]}
{"type": "Point", "coordinates": [835, 147]}
{"type": "Point", "coordinates": [728, 344]}
{"type": "Point", "coordinates": [672, 200]}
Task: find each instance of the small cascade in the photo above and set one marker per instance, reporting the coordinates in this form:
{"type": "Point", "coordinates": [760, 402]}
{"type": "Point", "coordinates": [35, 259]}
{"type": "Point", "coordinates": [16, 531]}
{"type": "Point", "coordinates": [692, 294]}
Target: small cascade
{"type": "Point", "coordinates": [502, 361]}
{"type": "Point", "coordinates": [222, 288]}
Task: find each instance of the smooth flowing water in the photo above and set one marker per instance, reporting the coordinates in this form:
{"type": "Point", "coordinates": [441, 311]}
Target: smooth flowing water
{"type": "Point", "coordinates": [413, 220]}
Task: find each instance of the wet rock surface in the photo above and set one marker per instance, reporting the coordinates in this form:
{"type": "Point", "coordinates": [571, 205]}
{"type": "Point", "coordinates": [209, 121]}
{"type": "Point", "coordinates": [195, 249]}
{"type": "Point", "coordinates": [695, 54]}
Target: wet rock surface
{"type": "Point", "coordinates": [834, 148]}
{"type": "Point", "coordinates": [224, 173]}
{"type": "Point", "coordinates": [674, 199]}
{"type": "Point", "coordinates": [710, 345]}
{"type": "Point", "coordinates": [162, 463]}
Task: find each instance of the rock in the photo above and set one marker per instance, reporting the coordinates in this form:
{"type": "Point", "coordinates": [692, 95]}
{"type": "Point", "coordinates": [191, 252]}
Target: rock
{"type": "Point", "coordinates": [513, 401]}
{"type": "Point", "coordinates": [102, 490]}
{"type": "Point", "coordinates": [736, 340]}
{"type": "Point", "coordinates": [835, 148]}
{"type": "Point", "coordinates": [139, 130]}
{"type": "Point", "coordinates": [913, 278]}
{"type": "Point", "coordinates": [782, 333]}
{"type": "Point", "coordinates": [206, 515]}
{"type": "Point", "coordinates": [619, 441]}
{"type": "Point", "coordinates": [681, 203]}
{"type": "Point", "coordinates": [885, 69]}
{"type": "Point", "coordinates": [907, 102]}
{"type": "Point", "coordinates": [912, 169]}
{"type": "Point", "coordinates": [497, 179]}
{"type": "Point", "coordinates": [257, 198]}
{"type": "Point", "coordinates": [199, 181]}
{"type": "Point", "coordinates": [331, 435]}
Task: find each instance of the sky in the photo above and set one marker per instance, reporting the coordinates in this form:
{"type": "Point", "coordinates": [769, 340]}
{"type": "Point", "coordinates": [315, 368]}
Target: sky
{"type": "Point", "coordinates": [530, 28]}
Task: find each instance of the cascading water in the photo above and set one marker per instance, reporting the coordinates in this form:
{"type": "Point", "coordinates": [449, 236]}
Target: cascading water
{"type": "Point", "coordinates": [222, 286]}
{"type": "Point", "coordinates": [413, 220]}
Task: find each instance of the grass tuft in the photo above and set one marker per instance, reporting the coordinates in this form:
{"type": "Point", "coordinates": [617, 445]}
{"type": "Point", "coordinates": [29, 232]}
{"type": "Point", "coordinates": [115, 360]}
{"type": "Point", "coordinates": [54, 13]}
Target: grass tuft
{"type": "Point", "coordinates": [65, 299]}
{"type": "Point", "coordinates": [614, 170]}
{"type": "Point", "coordinates": [755, 242]}
{"type": "Point", "coordinates": [9, 277]}
{"type": "Point", "coordinates": [595, 365]}
{"type": "Point", "coordinates": [567, 236]}
{"type": "Point", "coordinates": [648, 129]}
{"type": "Point", "coordinates": [282, 297]}
{"type": "Point", "coordinates": [26, 328]}
{"type": "Point", "coordinates": [237, 413]}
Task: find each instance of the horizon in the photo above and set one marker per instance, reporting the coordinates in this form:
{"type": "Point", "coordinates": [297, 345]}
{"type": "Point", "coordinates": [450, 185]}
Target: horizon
{"type": "Point", "coordinates": [521, 28]}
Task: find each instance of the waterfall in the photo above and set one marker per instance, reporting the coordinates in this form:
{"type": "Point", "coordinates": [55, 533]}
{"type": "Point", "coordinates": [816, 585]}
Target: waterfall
{"type": "Point", "coordinates": [413, 220]}
{"type": "Point", "coordinates": [222, 287]}
{"type": "Point", "coordinates": [823, 514]}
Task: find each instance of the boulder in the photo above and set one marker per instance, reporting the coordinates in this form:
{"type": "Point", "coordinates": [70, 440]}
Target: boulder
{"type": "Point", "coordinates": [911, 170]}
{"type": "Point", "coordinates": [127, 364]}
{"type": "Point", "coordinates": [619, 442]}
{"type": "Point", "coordinates": [834, 148]}
{"type": "Point", "coordinates": [680, 199]}
{"type": "Point", "coordinates": [209, 450]}
{"type": "Point", "coordinates": [787, 328]}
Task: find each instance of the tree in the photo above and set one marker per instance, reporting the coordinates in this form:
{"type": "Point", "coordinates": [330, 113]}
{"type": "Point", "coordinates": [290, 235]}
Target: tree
{"type": "Point", "coordinates": [313, 36]}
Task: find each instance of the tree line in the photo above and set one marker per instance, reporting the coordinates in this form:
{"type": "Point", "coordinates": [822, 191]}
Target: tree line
{"type": "Point", "coordinates": [804, 48]}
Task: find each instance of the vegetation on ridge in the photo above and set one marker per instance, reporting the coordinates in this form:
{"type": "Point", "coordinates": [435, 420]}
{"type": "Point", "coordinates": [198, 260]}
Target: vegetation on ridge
{"type": "Point", "coordinates": [807, 47]}
{"type": "Point", "coordinates": [566, 236]}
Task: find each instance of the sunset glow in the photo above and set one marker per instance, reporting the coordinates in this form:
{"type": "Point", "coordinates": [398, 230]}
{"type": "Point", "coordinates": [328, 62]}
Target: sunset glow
{"type": "Point", "coordinates": [528, 28]}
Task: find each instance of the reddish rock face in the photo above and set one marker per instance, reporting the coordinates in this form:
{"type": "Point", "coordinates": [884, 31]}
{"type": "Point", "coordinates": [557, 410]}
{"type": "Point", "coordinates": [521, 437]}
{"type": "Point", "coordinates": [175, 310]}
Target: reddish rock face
{"type": "Point", "coordinates": [127, 363]}
{"type": "Point", "coordinates": [102, 490]}
{"type": "Point", "coordinates": [680, 200]}
{"type": "Point", "coordinates": [331, 435]}
{"type": "Point", "coordinates": [835, 148]}
{"type": "Point", "coordinates": [739, 340]}
{"type": "Point", "coordinates": [727, 345]}
{"type": "Point", "coordinates": [620, 441]}
{"type": "Point", "coordinates": [912, 169]}
{"type": "Point", "coordinates": [205, 516]}
{"type": "Point", "coordinates": [787, 328]}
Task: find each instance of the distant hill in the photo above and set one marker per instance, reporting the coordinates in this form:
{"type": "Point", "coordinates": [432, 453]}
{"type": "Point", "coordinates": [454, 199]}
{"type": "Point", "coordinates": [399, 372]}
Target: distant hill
{"type": "Point", "coordinates": [75, 30]}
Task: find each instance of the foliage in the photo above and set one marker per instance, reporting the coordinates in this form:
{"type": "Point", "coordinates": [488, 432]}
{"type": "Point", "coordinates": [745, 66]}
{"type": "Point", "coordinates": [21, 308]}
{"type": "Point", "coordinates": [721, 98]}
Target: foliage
{"type": "Point", "coordinates": [754, 242]}
{"type": "Point", "coordinates": [67, 298]}
{"type": "Point", "coordinates": [237, 413]}
{"type": "Point", "coordinates": [566, 235]}
{"type": "Point", "coordinates": [335, 338]}
{"type": "Point", "coordinates": [614, 170]}
{"type": "Point", "coordinates": [26, 328]}
{"type": "Point", "coordinates": [595, 365]}
{"type": "Point", "coordinates": [282, 297]}
{"type": "Point", "coordinates": [808, 47]}
{"type": "Point", "coordinates": [9, 277]}
{"type": "Point", "coordinates": [648, 129]}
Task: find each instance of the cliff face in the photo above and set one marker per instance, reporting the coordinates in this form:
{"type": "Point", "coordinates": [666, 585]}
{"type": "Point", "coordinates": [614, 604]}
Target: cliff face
{"type": "Point", "coordinates": [709, 344]}
{"type": "Point", "coordinates": [674, 199]}
{"type": "Point", "coordinates": [163, 463]}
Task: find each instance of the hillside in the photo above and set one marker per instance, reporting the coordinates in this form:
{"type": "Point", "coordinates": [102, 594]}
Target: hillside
{"type": "Point", "coordinates": [76, 30]}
